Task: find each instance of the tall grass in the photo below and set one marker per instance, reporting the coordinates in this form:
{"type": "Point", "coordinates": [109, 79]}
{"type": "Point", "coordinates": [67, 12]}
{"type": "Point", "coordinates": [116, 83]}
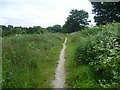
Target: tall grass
{"type": "Point", "coordinates": [78, 76]}
{"type": "Point", "coordinates": [98, 51]}
{"type": "Point", "coordinates": [29, 61]}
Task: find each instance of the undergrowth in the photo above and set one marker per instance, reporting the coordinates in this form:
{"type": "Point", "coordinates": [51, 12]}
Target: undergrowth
{"type": "Point", "coordinates": [98, 50]}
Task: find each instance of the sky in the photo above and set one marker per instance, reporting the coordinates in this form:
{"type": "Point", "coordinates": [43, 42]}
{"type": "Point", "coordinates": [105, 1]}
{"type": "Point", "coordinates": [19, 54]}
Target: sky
{"type": "Point", "coordinates": [44, 13]}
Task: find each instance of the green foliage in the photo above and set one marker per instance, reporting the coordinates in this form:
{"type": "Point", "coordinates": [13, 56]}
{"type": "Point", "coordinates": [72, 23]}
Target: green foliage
{"type": "Point", "coordinates": [100, 51]}
{"type": "Point", "coordinates": [55, 28]}
{"type": "Point", "coordinates": [10, 30]}
{"type": "Point", "coordinates": [106, 12]}
{"type": "Point", "coordinates": [29, 61]}
{"type": "Point", "coordinates": [81, 76]}
{"type": "Point", "coordinates": [76, 21]}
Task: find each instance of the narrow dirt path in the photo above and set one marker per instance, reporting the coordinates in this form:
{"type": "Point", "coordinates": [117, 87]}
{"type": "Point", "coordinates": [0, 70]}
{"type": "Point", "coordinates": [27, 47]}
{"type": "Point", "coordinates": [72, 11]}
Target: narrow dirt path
{"type": "Point", "coordinates": [59, 81]}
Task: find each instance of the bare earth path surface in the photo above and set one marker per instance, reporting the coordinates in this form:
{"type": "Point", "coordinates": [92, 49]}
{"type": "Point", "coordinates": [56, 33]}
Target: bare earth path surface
{"type": "Point", "coordinates": [59, 81]}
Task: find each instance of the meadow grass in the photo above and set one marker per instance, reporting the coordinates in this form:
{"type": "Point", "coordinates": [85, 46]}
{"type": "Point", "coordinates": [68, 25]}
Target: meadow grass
{"type": "Point", "coordinates": [29, 61]}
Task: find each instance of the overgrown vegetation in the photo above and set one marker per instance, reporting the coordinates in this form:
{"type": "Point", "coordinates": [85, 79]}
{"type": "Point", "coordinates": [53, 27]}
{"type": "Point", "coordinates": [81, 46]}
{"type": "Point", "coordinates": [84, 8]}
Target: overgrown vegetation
{"type": "Point", "coordinates": [94, 58]}
{"type": "Point", "coordinates": [29, 55]}
{"type": "Point", "coordinates": [29, 61]}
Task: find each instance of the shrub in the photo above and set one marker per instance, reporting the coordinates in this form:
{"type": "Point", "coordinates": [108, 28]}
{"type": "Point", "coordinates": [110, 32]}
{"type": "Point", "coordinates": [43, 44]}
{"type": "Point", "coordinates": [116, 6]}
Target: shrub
{"type": "Point", "coordinates": [101, 51]}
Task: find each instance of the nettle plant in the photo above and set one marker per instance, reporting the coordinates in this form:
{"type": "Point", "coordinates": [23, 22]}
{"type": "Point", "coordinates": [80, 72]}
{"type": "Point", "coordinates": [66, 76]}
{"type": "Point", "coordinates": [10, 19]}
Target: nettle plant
{"type": "Point", "coordinates": [102, 52]}
{"type": "Point", "coordinates": [107, 61]}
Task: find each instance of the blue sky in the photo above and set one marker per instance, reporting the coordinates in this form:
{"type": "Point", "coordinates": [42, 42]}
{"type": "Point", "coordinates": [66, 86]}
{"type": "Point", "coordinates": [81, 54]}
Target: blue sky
{"type": "Point", "coordinates": [28, 13]}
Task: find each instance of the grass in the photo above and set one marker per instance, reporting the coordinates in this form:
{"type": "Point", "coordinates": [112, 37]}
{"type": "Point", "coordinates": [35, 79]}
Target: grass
{"type": "Point", "coordinates": [77, 76]}
{"type": "Point", "coordinates": [29, 61]}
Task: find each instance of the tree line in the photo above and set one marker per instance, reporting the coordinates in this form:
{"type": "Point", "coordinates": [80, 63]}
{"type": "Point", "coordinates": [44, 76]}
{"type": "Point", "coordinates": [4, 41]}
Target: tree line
{"type": "Point", "coordinates": [9, 30]}
{"type": "Point", "coordinates": [105, 13]}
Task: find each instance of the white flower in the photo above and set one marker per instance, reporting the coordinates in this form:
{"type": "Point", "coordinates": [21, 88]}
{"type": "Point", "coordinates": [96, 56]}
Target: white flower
{"type": "Point", "coordinates": [109, 58]}
{"type": "Point", "coordinates": [101, 41]}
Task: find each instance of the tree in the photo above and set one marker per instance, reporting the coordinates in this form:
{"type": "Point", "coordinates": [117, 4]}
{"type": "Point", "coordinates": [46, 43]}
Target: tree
{"type": "Point", "coordinates": [10, 27]}
{"type": "Point", "coordinates": [37, 29]}
{"type": "Point", "coordinates": [55, 28]}
{"type": "Point", "coordinates": [106, 12]}
{"type": "Point", "coordinates": [16, 30]}
{"type": "Point", "coordinates": [76, 21]}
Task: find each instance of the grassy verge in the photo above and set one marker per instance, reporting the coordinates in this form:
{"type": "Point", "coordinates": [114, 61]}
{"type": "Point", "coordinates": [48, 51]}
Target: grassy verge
{"type": "Point", "coordinates": [29, 61]}
{"type": "Point", "coordinates": [81, 76]}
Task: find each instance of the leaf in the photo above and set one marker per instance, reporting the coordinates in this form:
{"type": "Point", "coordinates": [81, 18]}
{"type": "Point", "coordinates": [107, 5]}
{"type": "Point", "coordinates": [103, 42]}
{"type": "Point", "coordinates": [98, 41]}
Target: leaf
{"type": "Point", "coordinates": [113, 52]}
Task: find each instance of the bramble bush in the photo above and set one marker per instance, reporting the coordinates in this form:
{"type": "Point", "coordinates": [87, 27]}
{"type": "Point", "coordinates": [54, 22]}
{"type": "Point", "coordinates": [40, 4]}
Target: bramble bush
{"type": "Point", "coordinates": [102, 52]}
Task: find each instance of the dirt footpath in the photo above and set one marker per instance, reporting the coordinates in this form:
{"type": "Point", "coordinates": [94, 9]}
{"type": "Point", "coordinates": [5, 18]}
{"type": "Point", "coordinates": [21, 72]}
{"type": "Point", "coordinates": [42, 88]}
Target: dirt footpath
{"type": "Point", "coordinates": [60, 76]}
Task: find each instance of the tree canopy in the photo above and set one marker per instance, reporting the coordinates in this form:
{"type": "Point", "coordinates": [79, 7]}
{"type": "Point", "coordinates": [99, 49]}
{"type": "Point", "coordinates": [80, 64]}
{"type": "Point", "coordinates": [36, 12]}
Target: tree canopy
{"type": "Point", "coordinates": [55, 28]}
{"type": "Point", "coordinates": [76, 21]}
{"type": "Point", "coordinates": [106, 12]}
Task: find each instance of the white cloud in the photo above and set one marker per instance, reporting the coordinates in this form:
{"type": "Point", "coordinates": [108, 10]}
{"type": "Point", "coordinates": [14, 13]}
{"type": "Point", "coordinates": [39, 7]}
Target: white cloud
{"type": "Point", "coordinates": [40, 12]}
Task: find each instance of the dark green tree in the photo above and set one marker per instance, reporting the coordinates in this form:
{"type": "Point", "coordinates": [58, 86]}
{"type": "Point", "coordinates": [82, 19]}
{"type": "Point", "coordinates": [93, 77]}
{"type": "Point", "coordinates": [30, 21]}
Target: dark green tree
{"type": "Point", "coordinates": [106, 12]}
{"type": "Point", "coordinates": [55, 28]}
{"type": "Point", "coordinates": [10, 27]}
{"type": "Point", "coordinates": [76, 21]}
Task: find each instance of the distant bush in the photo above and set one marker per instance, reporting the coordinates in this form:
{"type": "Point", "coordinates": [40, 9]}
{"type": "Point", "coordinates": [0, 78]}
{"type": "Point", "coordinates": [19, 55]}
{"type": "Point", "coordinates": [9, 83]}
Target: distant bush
{"type": "Point", "coordinates": [55, 28]}
{"type": "Point", "coordinates": [10, 30]}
